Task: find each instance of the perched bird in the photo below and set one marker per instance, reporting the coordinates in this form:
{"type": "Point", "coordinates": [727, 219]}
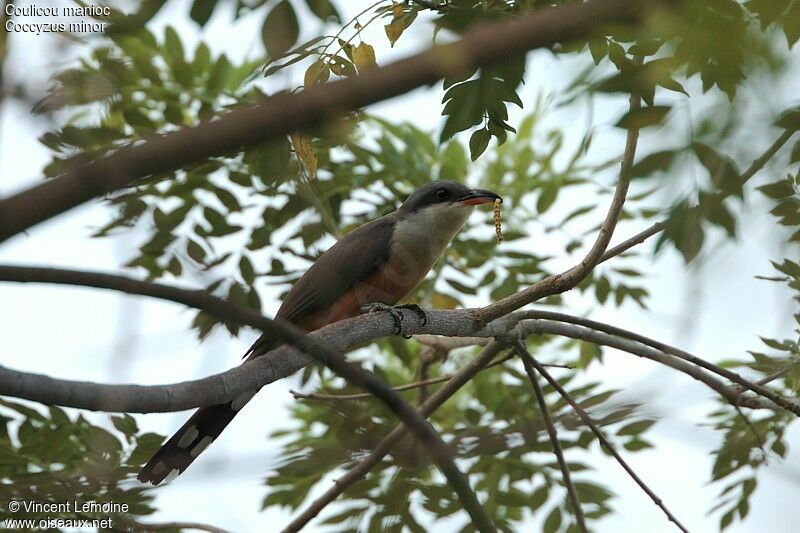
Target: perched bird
{"type": "Point", "coordinates": [378, 263]}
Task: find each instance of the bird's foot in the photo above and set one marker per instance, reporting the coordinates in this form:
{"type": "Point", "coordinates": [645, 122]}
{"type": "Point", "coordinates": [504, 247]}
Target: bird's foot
{"type": "Point", "coordinates": [423, 318]}
{"type": "Point", "coordinates": [396, 315]}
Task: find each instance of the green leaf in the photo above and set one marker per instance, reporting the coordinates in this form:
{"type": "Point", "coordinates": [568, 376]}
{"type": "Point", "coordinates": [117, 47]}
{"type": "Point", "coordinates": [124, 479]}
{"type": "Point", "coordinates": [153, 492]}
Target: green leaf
{"type": "Point", "coordinates": [247, 271]}
{"type": "Point", "coordinates": [453, 162]}
{"type": "Point", "coordinates": [715, 211]}
{"type": "Point", "coordinates": [478, 142]}
{"type": "Point", "coordinates": [219, 75]}
{"type": "Point", "coordinates": [789, 119]}
{"type": "Point", "coordinates": [280, 30]}
{"type": "Point", "coordinates": [202, 10]}
{"type": "Point", "coordinates": [547, 196]}
{"type": "Point", "coordinates": [173, 44]}
{"type": "Point", "coordinates": [602, 289]}
{"type": "Point", "coordinates": [643, 117]}
{"type": "Point", "coordinates": [636, 428]}
{"type": "Point", "coordinates": [553, 521]}
{"type": "Point", "coordinates": [791, 24]}
{"type": "Point", "coordinates": [684, 230]}
{"type": "Point", "coordinates": [195, 251]}
{"type": "Point", "coordinates": [657, 161]}
{"type": "Point", "coordinates": [324, 10]}
{"type": "Point", "coordinates": [778, 190]}
{"type": "Point", "coordinates": [721, 169]}
{"type": "Point", "coordinates": [270, 161]}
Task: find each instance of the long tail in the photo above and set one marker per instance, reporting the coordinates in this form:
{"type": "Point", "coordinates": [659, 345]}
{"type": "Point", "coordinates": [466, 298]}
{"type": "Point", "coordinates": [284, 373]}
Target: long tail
{"type": "Point", "coordinates": [175, 456]}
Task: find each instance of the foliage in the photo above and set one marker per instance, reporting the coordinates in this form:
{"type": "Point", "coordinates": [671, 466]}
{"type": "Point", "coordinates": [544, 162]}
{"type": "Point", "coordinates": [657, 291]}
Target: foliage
{"type": "Point", "coordinates": [53, 457]}
{"type": "Point", "coordinates": [253, 219]}
{"type": "Point", "coordinates": [491, 426]}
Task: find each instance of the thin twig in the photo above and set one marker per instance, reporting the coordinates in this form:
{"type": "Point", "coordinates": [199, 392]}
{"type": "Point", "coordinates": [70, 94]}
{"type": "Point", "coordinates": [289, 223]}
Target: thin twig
{"type": "Point", "coordinates": [778, 374]}
{"type": "Point", "coordinates": [553, 434]}
{"type": "Point", "coordinates": [407, 386]}
{"type": "Point", "coordinates": [751, 427]}
{"type": "Point", "coordinates": [384, 447]}
{"type": "Point", "coordinates": [639, 238]}
{"type": "Point", "coordinates": [759, 163]}
{"type": "Point", "coordinates": [584, 416]}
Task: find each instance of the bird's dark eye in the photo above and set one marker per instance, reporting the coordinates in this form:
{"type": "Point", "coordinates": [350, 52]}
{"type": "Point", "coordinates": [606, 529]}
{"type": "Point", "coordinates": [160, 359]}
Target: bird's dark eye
{"type": "Point", "coordinates": [442, 194]}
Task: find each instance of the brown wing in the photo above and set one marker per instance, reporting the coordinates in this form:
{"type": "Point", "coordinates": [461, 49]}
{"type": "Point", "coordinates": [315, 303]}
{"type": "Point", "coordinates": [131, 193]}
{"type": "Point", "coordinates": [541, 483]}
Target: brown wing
{"type": "Point", "coordinates": [351, 260]}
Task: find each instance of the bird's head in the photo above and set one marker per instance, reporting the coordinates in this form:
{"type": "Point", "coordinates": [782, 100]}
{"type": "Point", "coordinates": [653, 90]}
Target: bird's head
{"type": "Point", "coordinates": [444, 195]}
{"type": "Point", "coordinates": [443, 206]}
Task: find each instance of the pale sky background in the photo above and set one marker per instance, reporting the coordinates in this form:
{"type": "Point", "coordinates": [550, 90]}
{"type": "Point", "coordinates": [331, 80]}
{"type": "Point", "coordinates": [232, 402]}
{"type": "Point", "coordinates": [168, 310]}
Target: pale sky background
{"type": "Point", "coordinates": [715, 311]}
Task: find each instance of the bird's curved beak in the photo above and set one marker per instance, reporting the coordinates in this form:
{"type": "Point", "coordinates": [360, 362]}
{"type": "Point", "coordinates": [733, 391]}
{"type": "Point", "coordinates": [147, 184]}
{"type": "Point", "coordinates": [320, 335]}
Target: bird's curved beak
{"type": "Point", "coordinates": [479, 196]}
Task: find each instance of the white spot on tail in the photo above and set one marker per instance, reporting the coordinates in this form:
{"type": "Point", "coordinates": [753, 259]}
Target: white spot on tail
{"type": "Point", "coordinates": [160, 467]}
{"type": "Point", "coordinates": [188, 437]}
{"type": "Point", "coordinates": [200, 446]}
{"type": "Point", "coordinates": [172, 475]}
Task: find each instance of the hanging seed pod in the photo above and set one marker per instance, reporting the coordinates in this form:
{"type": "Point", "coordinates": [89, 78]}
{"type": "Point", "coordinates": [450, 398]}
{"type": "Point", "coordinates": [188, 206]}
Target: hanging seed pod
{"type": "Point", "coordinates": [497, 229]}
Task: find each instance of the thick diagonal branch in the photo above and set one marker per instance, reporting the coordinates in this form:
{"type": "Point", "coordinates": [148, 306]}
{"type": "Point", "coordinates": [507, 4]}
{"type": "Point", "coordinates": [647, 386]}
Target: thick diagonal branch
{"type": "Point", "coordinates": [384, 447]}
{"type": "Point", "coordinates": [354, 374]}
{"type": "Point", "coordinates": [287, 112]}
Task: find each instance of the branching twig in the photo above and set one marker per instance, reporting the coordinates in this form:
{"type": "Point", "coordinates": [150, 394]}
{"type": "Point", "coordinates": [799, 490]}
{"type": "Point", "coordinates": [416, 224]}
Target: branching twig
{"type": "Point", "coordinates": [731, 394]}
{"type": "Point", "coordinates": [779, 373]}
{"type": "Point", "coordinates": [553, 434]}
{"type": "Point", "coordinates": [671, 350]}
{"type": "Point", "coordinates": [568, 279]}
{"type": "Point", "coordinates": [584, 416]}
{"type": "Point", "coordinates": [639, 238]}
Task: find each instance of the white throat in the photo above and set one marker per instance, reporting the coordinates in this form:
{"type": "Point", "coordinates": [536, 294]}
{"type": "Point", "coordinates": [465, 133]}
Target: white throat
{"type": "Point", "coordinates": [426, 233]}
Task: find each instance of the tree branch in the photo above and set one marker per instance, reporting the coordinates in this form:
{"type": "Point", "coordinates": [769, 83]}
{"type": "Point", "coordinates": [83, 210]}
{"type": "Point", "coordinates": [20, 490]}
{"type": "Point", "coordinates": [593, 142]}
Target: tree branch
{"type": "Point", "coordinates": [292, 335]}
{"type": "Point", "coordinates": [286, 360]}
{"type": "Point", "coordinates": [285, 113]}
{"type": "Point", "coordinates": [584, 416]}
{"type": "Point", "coordinates": [553, 434]}
{"type": "Point", "coordinates": [731, 394]}
{"type": "Point", "coordinates": [758, 388]}
{"type": "Point", "coordinates": [384, 447]}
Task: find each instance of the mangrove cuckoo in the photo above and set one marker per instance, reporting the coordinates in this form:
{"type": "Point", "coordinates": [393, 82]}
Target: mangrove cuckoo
{"type": "Point", "coordinates": [378, 263]}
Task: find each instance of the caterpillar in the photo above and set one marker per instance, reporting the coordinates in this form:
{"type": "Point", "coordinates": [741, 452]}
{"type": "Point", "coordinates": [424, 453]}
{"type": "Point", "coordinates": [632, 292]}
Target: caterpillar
{"type": "Point", "coordinates": [497, 229]}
